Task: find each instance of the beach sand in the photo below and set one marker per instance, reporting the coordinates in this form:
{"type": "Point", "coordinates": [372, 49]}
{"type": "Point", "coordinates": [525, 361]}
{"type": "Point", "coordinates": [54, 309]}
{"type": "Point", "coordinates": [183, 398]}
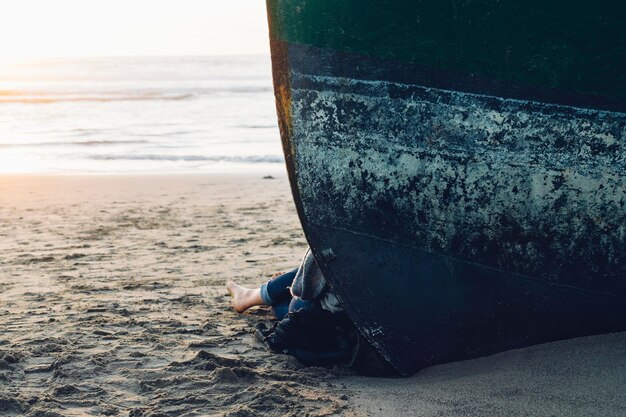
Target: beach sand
{"type": "Point", "coordinates": [112, 298]}
{"type": "Point", "coordinates": [112, 302]}
{"type": "Point", "coordinates": [584, 377]}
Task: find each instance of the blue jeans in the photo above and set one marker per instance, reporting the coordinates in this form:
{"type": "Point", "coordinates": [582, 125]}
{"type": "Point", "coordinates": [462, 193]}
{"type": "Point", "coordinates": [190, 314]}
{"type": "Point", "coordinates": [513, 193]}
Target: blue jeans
{"type": "Point", "coordinates": [277, 294]}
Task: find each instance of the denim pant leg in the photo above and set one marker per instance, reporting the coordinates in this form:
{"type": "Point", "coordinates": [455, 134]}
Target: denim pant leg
{"type": "Point", "coordinates": [298, 304]}
{"type": "Point", "coordinates": [276, 293]}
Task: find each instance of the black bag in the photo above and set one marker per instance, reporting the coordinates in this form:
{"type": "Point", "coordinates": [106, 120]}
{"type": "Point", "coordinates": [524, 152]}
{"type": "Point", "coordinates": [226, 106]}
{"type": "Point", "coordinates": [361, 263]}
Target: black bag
{"type": "Point", "coordinates": [314, 336]}
{"type": "Point", "coordinates": [317, 337]}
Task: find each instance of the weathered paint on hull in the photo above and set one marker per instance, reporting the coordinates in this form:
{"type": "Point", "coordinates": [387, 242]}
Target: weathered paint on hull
{"type": "Point", "coordinates": [454, 224]}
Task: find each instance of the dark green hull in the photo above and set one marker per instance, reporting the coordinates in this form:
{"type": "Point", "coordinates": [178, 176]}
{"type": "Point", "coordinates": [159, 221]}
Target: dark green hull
{"type": "Point", "coordinates": [459, 169]}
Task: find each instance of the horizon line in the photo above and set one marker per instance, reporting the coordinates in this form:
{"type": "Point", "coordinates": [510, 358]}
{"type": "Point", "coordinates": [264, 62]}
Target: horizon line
{"type": "Point", "coordinates": [11, 60]}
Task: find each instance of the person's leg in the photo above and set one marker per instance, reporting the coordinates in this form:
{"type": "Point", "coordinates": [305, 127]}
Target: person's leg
{"type": "Point", "coordinates": [281, 310]}
{"type": "Point", "coordinates": [274, 292]}
{"type": "Point", "coordinates": [277, 290]}
{"type": "Point", "coordinates": [299, 304]}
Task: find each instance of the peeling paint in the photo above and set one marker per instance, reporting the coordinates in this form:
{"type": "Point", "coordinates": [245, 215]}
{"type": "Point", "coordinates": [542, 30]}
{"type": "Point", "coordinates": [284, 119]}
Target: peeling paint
{"type": "Point", "coordinates": [461, 223]}
{"type": "Point", "coordinates": [525, 187]}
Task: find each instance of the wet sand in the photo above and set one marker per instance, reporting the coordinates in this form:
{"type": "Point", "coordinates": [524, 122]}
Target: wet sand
{"type": "Point", "coordinates": [112, 302]}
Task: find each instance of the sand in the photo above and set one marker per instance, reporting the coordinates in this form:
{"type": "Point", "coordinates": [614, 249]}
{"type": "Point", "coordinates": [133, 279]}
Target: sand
{"type": "Point", "coordinates": [112, 298]}
{"type": "Point", "coordinates": [583, 377]}
{"type": "Point", "coordinates": [112, 302]}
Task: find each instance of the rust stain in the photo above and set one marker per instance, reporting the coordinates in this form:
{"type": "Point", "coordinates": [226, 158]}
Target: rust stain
{"type": "Point", "coordinates": [283, 103]}
{"type": "Point", "coordinates": [282, 91]}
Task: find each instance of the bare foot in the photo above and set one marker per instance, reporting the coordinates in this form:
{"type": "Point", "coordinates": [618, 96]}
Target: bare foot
{"type": "Point", "coordinates": [244, 298]}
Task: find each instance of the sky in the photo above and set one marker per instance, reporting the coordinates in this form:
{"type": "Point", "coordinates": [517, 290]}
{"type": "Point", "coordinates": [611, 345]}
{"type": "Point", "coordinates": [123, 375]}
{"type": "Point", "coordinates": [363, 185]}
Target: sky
{"type": "Point", "coordinates": [94, 28]}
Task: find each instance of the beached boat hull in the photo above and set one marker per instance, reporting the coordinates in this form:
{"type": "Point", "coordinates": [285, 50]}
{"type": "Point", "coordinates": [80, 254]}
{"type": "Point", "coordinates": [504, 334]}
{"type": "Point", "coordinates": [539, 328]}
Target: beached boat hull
{"type": "Point", "coordinates": [464, 195]}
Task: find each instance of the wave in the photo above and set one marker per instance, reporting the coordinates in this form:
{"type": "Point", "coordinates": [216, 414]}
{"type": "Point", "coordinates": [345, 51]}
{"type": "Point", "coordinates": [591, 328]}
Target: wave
{"type": "Point", "coordinates": [192, 158]}
{"type": "Point", "coordinates": [48, 99]}
{"type": "Point", "coordinates": [73, 143]}
{"type": "Point", "coordinates": [258, 126]}
{"type": "Point", "coordinates": [167, 134]}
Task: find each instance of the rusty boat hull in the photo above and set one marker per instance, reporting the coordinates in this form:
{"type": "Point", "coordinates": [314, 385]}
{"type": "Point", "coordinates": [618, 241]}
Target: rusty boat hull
{"type": "Point", "coordinates": [460, 180]}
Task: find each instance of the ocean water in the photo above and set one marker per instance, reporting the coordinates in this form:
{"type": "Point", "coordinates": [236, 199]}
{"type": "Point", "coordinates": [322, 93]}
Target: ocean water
{"type": "Point", "coordinates": [139, 115]}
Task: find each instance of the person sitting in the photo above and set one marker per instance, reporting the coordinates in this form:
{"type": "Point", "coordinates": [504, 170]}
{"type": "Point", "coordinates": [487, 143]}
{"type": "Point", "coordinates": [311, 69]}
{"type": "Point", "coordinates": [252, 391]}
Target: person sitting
{"type": "Point", "coordinates": [312, 324]}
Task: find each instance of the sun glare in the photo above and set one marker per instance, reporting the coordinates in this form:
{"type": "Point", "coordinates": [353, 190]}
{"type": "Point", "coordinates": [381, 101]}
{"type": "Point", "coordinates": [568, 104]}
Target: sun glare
{"type": "Point", "coordinates": [117, 57]}
{"type": "Point", "coordinates": [32, 29]}
{"type": "Point", "coordinates": [18, 162]}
